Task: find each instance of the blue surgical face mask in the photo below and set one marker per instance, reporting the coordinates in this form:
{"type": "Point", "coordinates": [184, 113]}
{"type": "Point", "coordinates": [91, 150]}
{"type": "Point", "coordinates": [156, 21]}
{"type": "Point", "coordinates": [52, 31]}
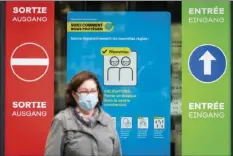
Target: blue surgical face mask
{"type": "Point", "coordinates": [88, 102]}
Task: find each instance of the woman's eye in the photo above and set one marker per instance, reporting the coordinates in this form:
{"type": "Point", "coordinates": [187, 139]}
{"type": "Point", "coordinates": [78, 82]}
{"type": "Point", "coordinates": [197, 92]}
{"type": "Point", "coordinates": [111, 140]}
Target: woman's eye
{"type": "Point", "coordinates": [83, 93]}
{"type": "Point", "coordinates": [88, 92]}
{"type": "Point", "coordinates": [94, 91]}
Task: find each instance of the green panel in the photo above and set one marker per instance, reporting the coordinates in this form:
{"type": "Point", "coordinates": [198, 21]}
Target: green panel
{"type": "Point", "coordinates": [211, 135]}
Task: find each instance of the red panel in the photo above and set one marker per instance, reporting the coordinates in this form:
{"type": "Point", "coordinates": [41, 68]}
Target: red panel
{"type": "Point", "coordinates": [29, 76]}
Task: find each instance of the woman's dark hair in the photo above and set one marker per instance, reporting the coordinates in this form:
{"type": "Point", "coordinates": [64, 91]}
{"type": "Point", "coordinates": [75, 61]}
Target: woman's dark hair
{"type": "Point", "coordinates": [76, 82]}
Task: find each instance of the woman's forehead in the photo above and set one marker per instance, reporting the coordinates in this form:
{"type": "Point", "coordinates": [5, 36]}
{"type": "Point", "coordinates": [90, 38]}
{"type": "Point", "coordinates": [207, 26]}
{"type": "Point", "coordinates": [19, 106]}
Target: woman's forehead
{"type": "Point", "coordinates": [88, 84]}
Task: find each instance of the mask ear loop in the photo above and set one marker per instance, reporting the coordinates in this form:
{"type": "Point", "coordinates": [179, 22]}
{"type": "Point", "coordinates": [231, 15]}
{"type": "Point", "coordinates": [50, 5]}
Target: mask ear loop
{"type": "Point", "coordinates": [78, 93]}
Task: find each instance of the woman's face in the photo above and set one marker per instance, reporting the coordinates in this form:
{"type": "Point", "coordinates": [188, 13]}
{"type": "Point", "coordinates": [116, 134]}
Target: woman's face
{"type": "Point", "coordinates": [87, 87]}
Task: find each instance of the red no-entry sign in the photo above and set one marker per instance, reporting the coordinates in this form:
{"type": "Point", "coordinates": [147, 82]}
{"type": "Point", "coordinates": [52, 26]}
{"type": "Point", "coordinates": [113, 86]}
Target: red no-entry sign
{"type": "Point", "coordinates": [29, 77]}
{"type": "Point", "coordinates": [29, 62]}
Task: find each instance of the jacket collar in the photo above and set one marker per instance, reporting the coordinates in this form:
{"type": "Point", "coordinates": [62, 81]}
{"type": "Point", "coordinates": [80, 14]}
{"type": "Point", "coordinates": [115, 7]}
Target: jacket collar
{"type": "Point", "coordinates": [99, 115]}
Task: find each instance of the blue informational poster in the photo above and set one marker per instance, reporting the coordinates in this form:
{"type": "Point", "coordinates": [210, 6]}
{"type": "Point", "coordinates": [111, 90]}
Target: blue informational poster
{"type": "Point", "coordinates": [129, 52]}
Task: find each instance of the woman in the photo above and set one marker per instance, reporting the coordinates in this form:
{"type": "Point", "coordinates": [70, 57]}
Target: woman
{"type": "Point", "coordinates": [83, 128]}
